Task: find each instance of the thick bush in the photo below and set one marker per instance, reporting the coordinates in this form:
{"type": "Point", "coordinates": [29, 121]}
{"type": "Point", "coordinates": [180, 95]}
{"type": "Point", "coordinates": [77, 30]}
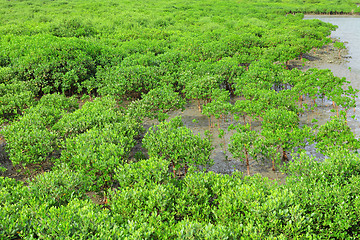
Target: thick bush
{"type": "Point", "coordinates": [328, 193]}
{"type": "Point", "coordinates": [99, 151]}
{"type": "Point", "coordinates": [178, 144]}
{"type": "Point", "coordinates": [51, 64]}
{"type": "Point", "coordinates": [156, 103]}
{"type": "Point", "coordinates": [127, 82]}
{"type": "Point", "coordinates": [59, 186]}
{"type": "Point", "coordinates": [154, 206]}
{"type": "Point", "coordinates": [74, 27]}
{"type": "Point", "coordinates": [98, 113]}
{"type": "Point", "coordinates": [29, 139]}
{"type": "Point", "coordinates": [14, 99]}
{"type": "Point", "coordinates": [336, 134]}
{"type": "Point", "coordinates": [14, 211]}
{"type": "Point", "coordinates": [79, 219]}
{"type": "Point", "coordinates": [207, 51]}
{"type": "Point", "coordinates": [143, 173]}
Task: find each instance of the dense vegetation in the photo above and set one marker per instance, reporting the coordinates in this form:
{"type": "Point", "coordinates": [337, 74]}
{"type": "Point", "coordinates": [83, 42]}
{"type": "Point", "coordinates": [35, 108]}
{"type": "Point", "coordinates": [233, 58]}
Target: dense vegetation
{"type": "Point", "coordinates": [79, 78]}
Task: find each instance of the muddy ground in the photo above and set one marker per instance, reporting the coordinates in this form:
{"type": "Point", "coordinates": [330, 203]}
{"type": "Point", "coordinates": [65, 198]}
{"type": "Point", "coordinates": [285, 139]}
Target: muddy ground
{"type": "Point", "coordinates": [223, 161]}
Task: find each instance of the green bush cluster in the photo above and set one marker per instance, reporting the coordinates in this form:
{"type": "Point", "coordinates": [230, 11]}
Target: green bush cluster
{"type": "Point", "coordinates": [329, 193]}
{"type": "Point", "coordinates": [176, 143]}
{"type": "Point", "coordinates": [59, 186]}
{"type": "Point", "coordinates": [99, 151]}
{"type": "Point", "coordinates": [98, 113]}
{"type": "Point", "coordinates": [31, 139]}
{"type": "Point", "coordinates": [107, 55]}
{"type": "Point", "coordinates": [156, 103]}
{"type": "Point", "coordinates": [319, 200]}
{"type": "Point", "coordinates": [160, 54]}
{"type": "Point", "coordinates": [15, 98]}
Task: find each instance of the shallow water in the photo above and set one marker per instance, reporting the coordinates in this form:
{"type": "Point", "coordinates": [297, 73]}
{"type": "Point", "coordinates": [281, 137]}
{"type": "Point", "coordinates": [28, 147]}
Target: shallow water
{"type": "Point", "coordinates": [224, 161]}
{"type": "Point", "coordinates": [348, 31]}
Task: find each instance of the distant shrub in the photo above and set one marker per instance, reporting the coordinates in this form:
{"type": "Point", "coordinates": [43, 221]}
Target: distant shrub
{"type": "Point", "coordinates": [73, 27]}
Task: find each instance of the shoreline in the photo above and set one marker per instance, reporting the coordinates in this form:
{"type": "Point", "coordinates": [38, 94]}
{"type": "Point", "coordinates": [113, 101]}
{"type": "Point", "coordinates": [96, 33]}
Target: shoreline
{"type": "Point", "coordinates": [332, 15]}
{"type": "Point", "coordinates": [326, 55]}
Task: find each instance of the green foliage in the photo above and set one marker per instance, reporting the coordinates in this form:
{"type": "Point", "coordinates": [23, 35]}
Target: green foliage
{"type": "Point", "coordinates": [336, 134]}
{"type": "Point", "coordinates": [124, 81]}
{"type": "Point", "coordinates": [319, 199]}
{"type": "Point", "coordinates": [35, 147]}
{"type": "Point", "coordinates": [177, 144]}
{"type": "Point", "coordinates": [73, 27]}
{"type": "Point", "coordinates": [340, 46]}
{"type": "Point", "coordinates": [197, 198]}
{"type": "Point", "coordinates": [29, 140]}
{"type": "Point", "coordinates": [280, 130]}
{"type": "Point", "coordinates": [264, 210]}
{"type": "Point", "coordinates": [196, 230]}
{"type": "Point", "coordinates": [205, 50]}
{"type": "Point", "coordinates": [152, 208]}
{"type": "Point", "coordinates": [98, 113]}
{"type": "Point", "coordinates": [200, 87]}
{"type": "Point", "coordinates": [99, 151]}
{"type": "Point", "coordinates": [13, 216]}
{"type": "Point", "coordinates": [15, 98]}
{"type": "Point", "coordinates": [52, 64]}
{"type": "Point", "coordinates": [156, 103]}
{"type": "Point", "coordinates": [220, 104]}
{"type": "Point", "coordinates": [144, 173]}
{"type": "Point", "coordinates": [51, 108]}
{"type": "Point", "coordinates": [278, 125]}
{"type": "Point", "coordinates": [78, 219]}
{"type": "Point", "coordinates": [245, 144]}
{"type": "Point", "coordinates": [328, 193]}
{"type": "Point", "coordinates": [59, 186]}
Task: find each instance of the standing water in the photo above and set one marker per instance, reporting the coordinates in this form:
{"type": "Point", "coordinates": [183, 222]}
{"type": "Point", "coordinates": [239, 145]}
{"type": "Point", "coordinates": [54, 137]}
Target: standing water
{"type": "Point", "coordinates": [348, 31]}
{"type": "Point", "coordinates": [225, 163]}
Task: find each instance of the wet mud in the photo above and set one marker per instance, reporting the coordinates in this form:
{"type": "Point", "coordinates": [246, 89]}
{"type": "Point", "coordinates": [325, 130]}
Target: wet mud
{"type": "Point", "coordinates": [324, 58]}
{"type": "Point", "coordinates": [223, 161]}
